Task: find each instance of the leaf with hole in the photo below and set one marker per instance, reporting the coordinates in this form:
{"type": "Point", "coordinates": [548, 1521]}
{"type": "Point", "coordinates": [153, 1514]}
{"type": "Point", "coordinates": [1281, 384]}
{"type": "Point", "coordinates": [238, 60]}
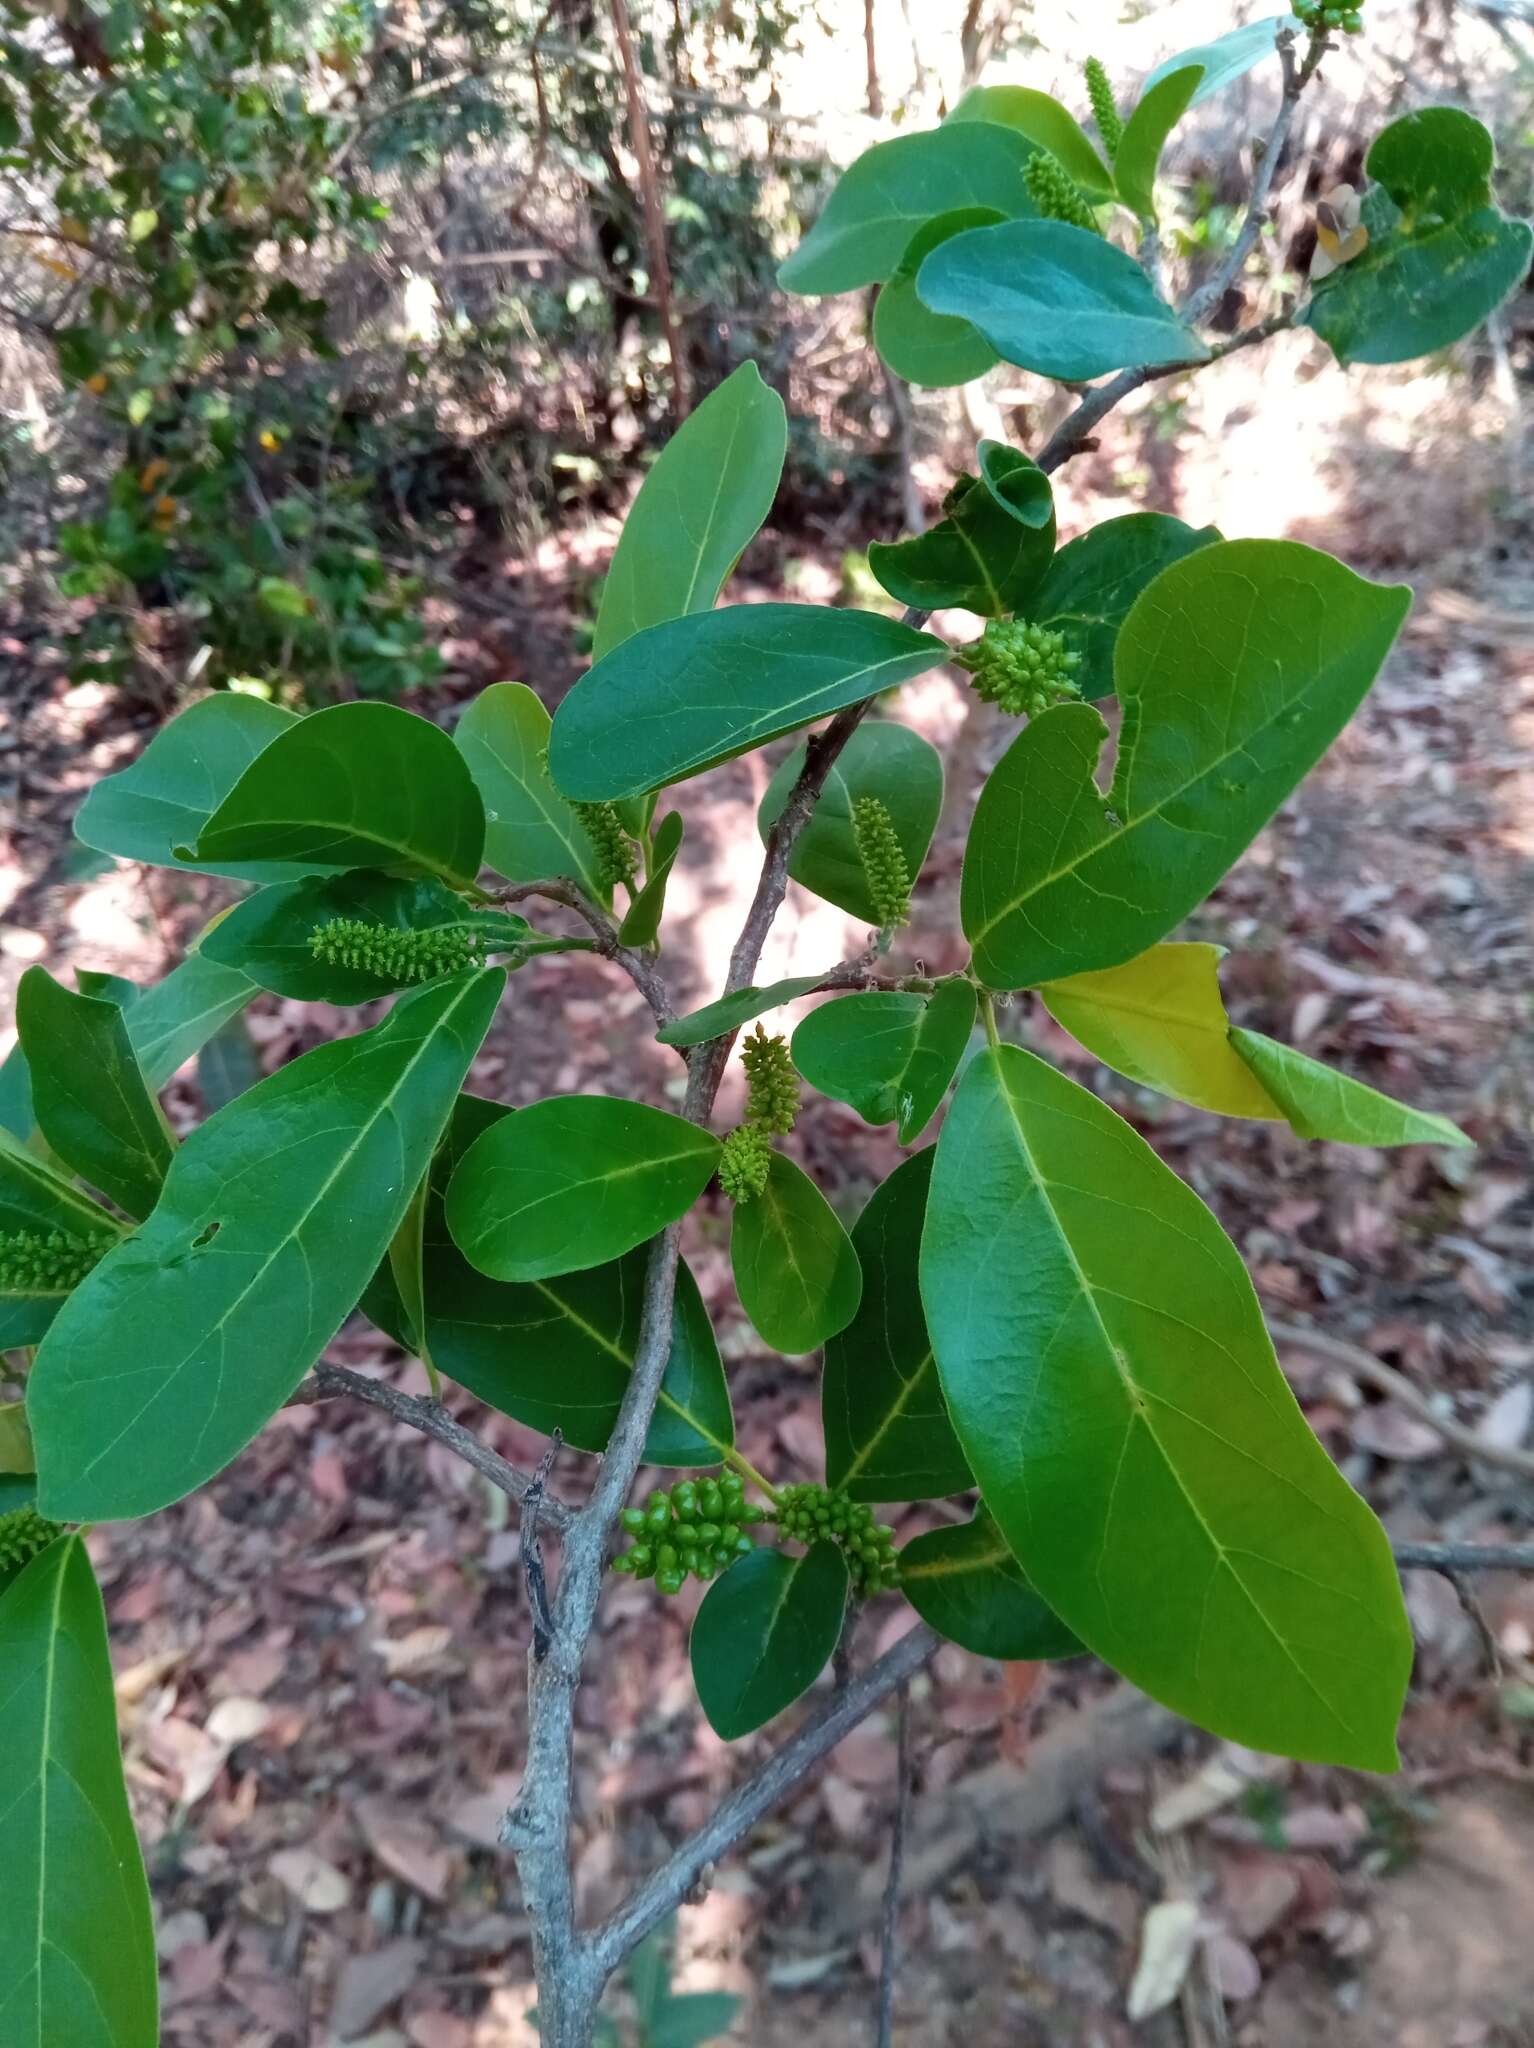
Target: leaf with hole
{"type": "Point", "coordinates": [1092, 582]}
{"type": "Point", "coordinates": [988, 553]}
{"type": "Point", "coordinates": [641, 927]}
{"type": "Point", "coordinates": [1044, 121]}
{"type": "Point", "coordinates": [883, 760]}
{"type": "Point", "coordinates": [889, 1055]}
{"type": "Point", "coordinates": [964, 1582]}
{"type": "Point", "coordinates": [1138, 157]}
{"type": "Point", "coordinates": [925, 348]}
{"type": "Point", "coordinates": [764, 1633]}
{"type": "Point", "coordinates": [531, 831]}
{"type": "Point", "coordinates": [796, 1273]}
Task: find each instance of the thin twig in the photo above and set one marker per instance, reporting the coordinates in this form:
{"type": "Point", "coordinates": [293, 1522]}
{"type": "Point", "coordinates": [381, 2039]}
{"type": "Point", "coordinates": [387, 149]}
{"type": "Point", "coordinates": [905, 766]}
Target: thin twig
{"type": "Point", "coordinates": [649, 193]}
{"type": "Point", "coordinates": [1464, 1557]}
{"type": "Point", "coordinates": [532, 1551]}
{"type": "Point", "coordinates": [889, 1939]}
{"type": "Point", "coordinates": [640, 969]}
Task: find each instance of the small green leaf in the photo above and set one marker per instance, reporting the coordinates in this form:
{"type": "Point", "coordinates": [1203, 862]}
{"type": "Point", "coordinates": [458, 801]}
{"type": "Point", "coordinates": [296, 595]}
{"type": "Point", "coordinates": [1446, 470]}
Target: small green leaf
{"type": "Point", "coordinates": [641, 927]}
{"type": "Point", "coordinates": [1321, 1103]}
{"type": "Point", "coordinates": [681, 697]}
{"type": "Point", "coordinates": [91, 1101]}
{"type": "Point", "coordinates": [883, 760]}
{"type": "Point", "coordinates": [964, 1582]}
{"type": "Point", "coordinates": [140, 406]}
{"type": "Point", "coordinates": [717, 1019]}
{"type": "Point", "coordinates": [407, 1265]}
{"type": "Point", "coordinates": [1093, 581]}
{"type": "Point", "coordinates": [1236, 668]}
{"type": "Point", "coordinates": [283, 599]}
{"type": "Point", "coordinates": [1108, 1374]}
{"type": "Point", "coordinates": [890, 1056]}
{"type": "Point", "coordinates": [926, 348]}
{"type": "Point", "coordinates": [574, 1181]}
{"type": "Point", "coordinates": [1055, 299]}
{"type": "Point", "coordinates": [191, 1332]}
{"type": "Point", "coordinates": [1228, 57]}
{"type": "Point", "coordinates": [141, 225]}
{"type": "Point", "coordinates": [1159, 109]}
{"type": "Point", "coordinates": [1044, 121]}
{"type": "Point", "coordinates": [530, 830]}
{"type": "Point", "coordinates": [888, 1436]}
{"type": "Point", "coordinates": [77, 1949]}
{"type": "Point", "coordinates": [710, 489]}
{"type": "Point", "coordinates": [765, 1632]}
{"type": "Point", "coordinates": [796, 1273]}
{"type": "Point", "coordinates": [991, 550]}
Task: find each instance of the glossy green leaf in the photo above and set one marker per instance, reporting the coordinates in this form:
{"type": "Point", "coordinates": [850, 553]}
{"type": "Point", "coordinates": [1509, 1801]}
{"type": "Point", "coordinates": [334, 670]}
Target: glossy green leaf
{"type": "Point", "coordinates": [359, 786]}
{"type": "Point", "coordinates": [1440, 255]}
{"type": "Point", "coordinates": [888, 1436]}
{"type": "Point", "coordinates": [77, 1948]}
{"type": "Point", "coordinates": [796, 1273]}
{"type": "Point", "coordinates": [1236, 669]}
{"type": "Point", "coordinates": [641, 927]}
{"type": "Point", "coordinates": [716, 1019]}
{"type": "Point", "coordinates": [172, 1021]}
{"type": "Point", "coordinates": [194, 1330]}
{"type": "Point", "coordinates": [1157, 112]}
{"type": "Point", "coordinates": [890, 1056]}
{"type": "Point", "coordinates": [530, 830]}
{"type": "Point", "coordinates": [1044, 121]}
{"type": "Point", "coordinates": [160, 802]}
{"type": "Point", "coordinates": [880, 201]}
{"type": "Point", "coordinates": [764, 1633]}
{"type": "Point", "coordinates": [710, 489]}
{"type": "Point", "coordinates": [1055, 299]}
{"type": "Point", "coordinates": [1228, 57]}
{"type": "Point", "coordinates": [1109, 1376]}
{"type": "Point", "coordinates": [1090, 585]}
{"type": "Point", "coordinates": [681, 697]}
{"type": "Point", "coordinates": [1318, 1102]}
{"type": "Point", "coordinates": [882, 759]}
{"type": "Point", "coordinates": [989, 552]}
{"type": "Point", "coordinates": [964, 1582]}
{"type": "Point", "coordinates": [573, 1181]}
{"type": "Point", "coordinates": [928, 348]}
{"type": "Point", "coordinates": [91, 1100]}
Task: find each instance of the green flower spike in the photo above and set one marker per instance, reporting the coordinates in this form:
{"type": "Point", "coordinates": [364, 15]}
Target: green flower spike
{"type": "Point", "coordinates": [773, 1099]}
{"type": "Point", "coordinates": [45, 1261]}
{"type": "Point", "coordinates": [879, 849]}
{"type": "Point", "coordinates": [616, 859]}
{"type": "Point", "coordinates": [812, 1514]}
{"type": "Point", "coordinates": [1104, 111]}
{"type": "Point", "coordinates": [23, 1533]}
{"type": "Point", "coordinates": [399, 956]}
{"type": "Point", "coordinates": [744, 1162]}
{"type": "Point", "coordinates": [1056, 194]}
{"type": "Point", "coordinates": [1021, 667]}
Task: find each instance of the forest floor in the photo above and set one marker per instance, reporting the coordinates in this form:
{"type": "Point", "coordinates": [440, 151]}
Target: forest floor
{"type": "Point", "coordinates": [320, 1654]}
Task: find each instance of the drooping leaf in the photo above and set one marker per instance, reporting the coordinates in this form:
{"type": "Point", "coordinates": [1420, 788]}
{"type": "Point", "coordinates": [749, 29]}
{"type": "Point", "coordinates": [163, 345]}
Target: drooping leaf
{"type": "Point", "coordinates": [190, 1333]}
{"type": "Point", "coordinates": [359, 786]}
{"type": "Point", "coordinates": [964, 1582]}
{"type": "Point", "coordinates": [883, 760]}
{"type": "Point", "coordinates": [530, 830]}
{"type": "Point", "coordinates": [574, 1181]}
{"type": "Point", "coordinates": [1091, 583]}
{"type": "Point", "coordinates": [989, 552]}
{"type": "Point", "coordinates": [1440, 256]}
{"type": "Point", "coordinates": [90, 1099]}
{"type": "Point", "coordinates": [1157, 112]}
{"type": "Point", "coordinates": [1044, 121]}
{"type": "Point", "coordinates": [925, 348]}
{"type": "Point", "coordinates": [764, 1633]}
{"type": "Point", "coordinates": [712, 486]}
{"type": "Point", "coordinates": [1236, 669]}
{"type": "Point", "coordinates": [1228, 57]}
{"type": "Point", "coordinates": [715, 1019]}
{"type": "Point", "coordinates": [1110, 1379]}
{"type": "Point", "coordinates": [796, 1273]}
{"type": "Point", "coordinates": [681, 697]}
{"type": "Point", "coordinates": [641, 927]}
{"type": "Point", "coordinates": [77, 1948]}
{"type": "Point", "coordinates": [891, 1056]}
{"type": "Point", "coordinates": [893, 189]}
{"type": "Point", "coordinates": [1055, 299]}
{"type": "Point", "coordinates": [888, 1436]}
{"type": "Point", "coordinates": [1318, 1102]}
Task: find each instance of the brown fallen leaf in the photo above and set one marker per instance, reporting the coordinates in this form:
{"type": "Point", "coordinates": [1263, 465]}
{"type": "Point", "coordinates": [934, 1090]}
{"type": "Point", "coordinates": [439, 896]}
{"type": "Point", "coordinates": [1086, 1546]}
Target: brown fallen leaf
{"type": "Point", "coordinates": [407, 1846]}
{"type": "Point", "coordinates": [316, 1885]}
{"type": "Point", "coordinates": [369, 1984]}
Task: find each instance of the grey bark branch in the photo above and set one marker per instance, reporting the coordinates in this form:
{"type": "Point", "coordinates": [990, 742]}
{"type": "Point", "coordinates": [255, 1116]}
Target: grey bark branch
{"type": "Point", "coordinates": [889, 1938]}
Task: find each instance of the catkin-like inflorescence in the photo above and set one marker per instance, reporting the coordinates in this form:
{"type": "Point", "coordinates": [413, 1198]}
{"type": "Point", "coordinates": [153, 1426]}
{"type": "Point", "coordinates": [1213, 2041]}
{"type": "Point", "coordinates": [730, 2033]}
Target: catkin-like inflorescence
{"type": "Point", "coordinates": [1104, 112]}
{"type": "Point", "coordinates": [45, 1261]}
{"type": "Point", "coordinates": [744, 1163]}
{"type": "Point", "coordinates": [1056, 194]}
{"type": "Point", "coordinates": [772, 1101]}
{"type": "Point", "coordinates": [616, 860]}
{"type": "Point", "coordinates": [399, 956]}
{"type": "Point", "coordinates": [814, 1514]}
{"type": "Point", "coordinates": [883, 858]}
{"type": "Point", "coordinates": [1325, 16]}
{"type": "Point", "coordinates": [1021, 667]}
{"type": "Point", "coordinates": [23, 1533]}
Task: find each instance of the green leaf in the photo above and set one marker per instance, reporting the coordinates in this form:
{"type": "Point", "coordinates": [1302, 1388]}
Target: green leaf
{"type": "Point", "coordinates": [1440, 256]}
{"type": "Point", "coordinates": [91, 1101]}
{"type": "Point", "coordinates": [717, 1019]}
{"type": "Point", "coordinates": [888, 1436]}
{"type": "Point", "coordinates": [891, 1056]}
{"type": "Point", "coordinates": [1228, 57]}
{"type": "Point", "coordinates": [710, 489]}
{"type": "Point", "coordinates": [964, 1582]}
{"type": "Point", "coordinates": [77, 1951]}
{"type": "Point", "coordinates": [141, 225]}
{"type": "Point", "coordinates": [796, 1273]}
{"type": "Point", "coordinates": [1236, 669]}
{"type": "Point", "coordinates": [359, 786]}
{"type": "Point", "coordinates": [1055, 299]}
{"type": "Point", "coordinates": [530, 830]}
{"type": "Point", "coordinates": [172, 1021]}
{"type": "Point", "coordinates": [227, 1064]}
{"type": "Point", "coordinates": [882, 760]}
{"type": "Point", "coordinates": [990, 551]}
{"type": "Point", "coordinates": [765, 1632]}
{"type": "Point", "coordinates": [925, 348]}
{"type": "Point", "coordinates": [1044, 121]}
{"type": "Point", "coordinates": [407, 1267]}
{"type": "Point", "coordinates": [893, 189]}
{"type": "Point", "coordinates": [573, 1181]}
{"type": "Point", "coordinates": [283, 599]}
{"type": "Point", "coordinates": [1093, 581]}
{"type": "Point", "coordinates": [1318, 1102]}
{"type": "Point", "coordinates": [681, 697]}
{"type": "Point", "coordinates": [273, 1216]}
{"type": "Point", "coordinates": [641, 927]}
{"type": "Point", "coordinates": [1109, 1376]}
{"type": "Point", "coordinates": [1157, 112]}
{"type": "Point", "coordinates": [160, 801]}
{"type": "Point", "coordinates": [35, 1198]}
